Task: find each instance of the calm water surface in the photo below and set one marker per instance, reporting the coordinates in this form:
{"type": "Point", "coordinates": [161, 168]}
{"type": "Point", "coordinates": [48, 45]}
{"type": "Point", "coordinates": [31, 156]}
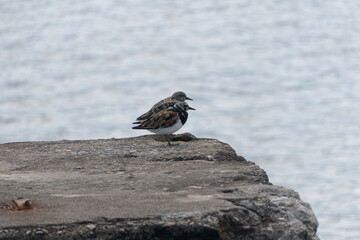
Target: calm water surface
{"type": "Point", "coordinates": [279, 81]}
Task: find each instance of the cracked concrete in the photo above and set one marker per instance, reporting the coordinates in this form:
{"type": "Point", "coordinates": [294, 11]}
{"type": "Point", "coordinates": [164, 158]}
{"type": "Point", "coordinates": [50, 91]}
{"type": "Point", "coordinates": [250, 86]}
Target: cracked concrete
{"type": "Point", "coordinates": [142, 188]}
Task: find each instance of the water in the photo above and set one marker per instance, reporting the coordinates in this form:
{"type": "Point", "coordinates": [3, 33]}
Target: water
{"type": "Point", "coordinates": [278, 80]}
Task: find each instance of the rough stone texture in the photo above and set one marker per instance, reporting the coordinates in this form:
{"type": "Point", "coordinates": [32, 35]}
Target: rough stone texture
{"type": "Point", "coordinates": [141, 188]}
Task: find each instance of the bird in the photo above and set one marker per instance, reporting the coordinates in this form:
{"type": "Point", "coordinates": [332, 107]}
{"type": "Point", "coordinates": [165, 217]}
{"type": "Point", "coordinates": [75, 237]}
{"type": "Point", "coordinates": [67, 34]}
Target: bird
{"type": "Point", "coordinates": [166, 121]}
{"type": "Point", "coordinates": [163, 104]}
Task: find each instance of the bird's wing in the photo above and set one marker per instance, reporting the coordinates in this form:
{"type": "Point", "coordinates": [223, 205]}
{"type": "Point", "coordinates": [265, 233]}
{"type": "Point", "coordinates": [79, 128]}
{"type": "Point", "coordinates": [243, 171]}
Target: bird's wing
{"type": "Point", "coordinates": [162, 105]}
{"type": "Point", "coordinates": [161, 119]}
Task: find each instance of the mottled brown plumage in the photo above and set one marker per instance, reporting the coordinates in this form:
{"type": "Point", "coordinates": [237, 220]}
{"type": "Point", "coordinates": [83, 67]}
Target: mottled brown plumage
{"type": "Point", "coordinates": [168, 102]}
{"type": "Point", "coordinates": [165, 118]}
{"type": "Point", "coordinates": [166, 121]}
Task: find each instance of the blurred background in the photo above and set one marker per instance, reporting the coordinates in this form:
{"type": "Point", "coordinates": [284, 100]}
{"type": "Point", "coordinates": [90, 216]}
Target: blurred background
{"type": "Point", "coordinates": [277, 80]}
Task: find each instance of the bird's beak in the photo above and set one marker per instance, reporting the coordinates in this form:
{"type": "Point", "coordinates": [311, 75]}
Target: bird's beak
{"type": "Point", "coordinates": [187, 98]}
{"type": "Point", "coordinates": [190, 108]}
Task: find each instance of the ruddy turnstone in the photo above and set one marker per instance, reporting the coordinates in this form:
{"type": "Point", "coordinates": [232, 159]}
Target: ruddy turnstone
{"type": "Point", "coordinates": [166, 121]}
{"type": "Point", "coordinates": [163, 104]}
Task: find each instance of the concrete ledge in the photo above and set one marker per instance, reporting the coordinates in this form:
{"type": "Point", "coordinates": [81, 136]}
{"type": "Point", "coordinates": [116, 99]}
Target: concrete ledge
{"type": "Point", "coordinates": [141, 188]}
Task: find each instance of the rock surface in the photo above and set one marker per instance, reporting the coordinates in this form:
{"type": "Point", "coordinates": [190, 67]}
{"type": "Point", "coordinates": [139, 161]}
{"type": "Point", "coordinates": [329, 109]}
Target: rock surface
{"type": "Point", "coordinates": [141, 188]}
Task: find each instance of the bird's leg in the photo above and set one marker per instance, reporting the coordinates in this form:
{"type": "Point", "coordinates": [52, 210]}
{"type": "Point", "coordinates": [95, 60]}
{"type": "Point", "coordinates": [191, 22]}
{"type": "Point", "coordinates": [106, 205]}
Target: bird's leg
{"type": "Point", "coordinates": [168, 138]}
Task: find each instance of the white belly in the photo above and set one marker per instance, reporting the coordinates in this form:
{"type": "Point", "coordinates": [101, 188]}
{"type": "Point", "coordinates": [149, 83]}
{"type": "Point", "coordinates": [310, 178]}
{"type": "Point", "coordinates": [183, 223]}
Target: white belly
{"type": "Point", "coordinates": [168, 130]}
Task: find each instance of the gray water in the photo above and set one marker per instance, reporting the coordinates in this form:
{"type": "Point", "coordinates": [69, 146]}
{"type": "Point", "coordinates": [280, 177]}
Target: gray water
{"type": "Point", "coordinates": [277, 80]}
